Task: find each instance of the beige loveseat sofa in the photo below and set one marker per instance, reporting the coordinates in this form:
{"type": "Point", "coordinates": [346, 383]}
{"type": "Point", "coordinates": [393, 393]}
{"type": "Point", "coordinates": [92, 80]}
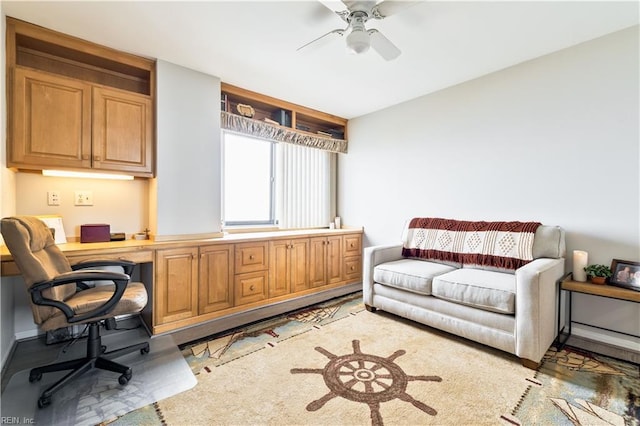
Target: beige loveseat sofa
{"type": "Point", "coordinates": [491, 282]}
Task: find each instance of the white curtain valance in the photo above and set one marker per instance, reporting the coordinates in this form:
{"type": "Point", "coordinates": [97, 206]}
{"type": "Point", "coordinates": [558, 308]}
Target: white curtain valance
{"type": "Point", "coordinates": [261, 129]}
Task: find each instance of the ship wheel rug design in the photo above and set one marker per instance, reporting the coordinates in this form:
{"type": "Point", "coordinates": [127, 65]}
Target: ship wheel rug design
{"type": "Point", "coordinates": [367, 379]}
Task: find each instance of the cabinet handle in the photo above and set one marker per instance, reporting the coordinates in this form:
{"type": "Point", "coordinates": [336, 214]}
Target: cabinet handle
{"type": "Point", "coordinates": [97, 158]}
{"type": "Point", "coordinates": [251, 288]}
{"type": "Point", "coordinates": [351, 245]}
{"type": "Point", "coordinates": [85, 156]}
{"type": "Point", "coordinates": [352, 268]}
{"type": "Point", "coordinates": [251, 257]}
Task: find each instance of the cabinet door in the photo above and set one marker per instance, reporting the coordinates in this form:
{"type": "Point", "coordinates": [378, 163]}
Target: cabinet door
{"type": "Point", "coordinates": [299, 264]}
{"type": "Point", "coordinates": [122, 131]}
{"type": "Point", "coordinates": [279, 268]}
{"type": "Point", "coordinates": [317, 262]}
{"type": "Point", "coordinates": [334, 259]}
{"type": "Point", "coordinates": [51, 123]}
{"type": "Point", "coordinates": [176, 286]}
{"type": "Point", "coordinates": [216, 278]}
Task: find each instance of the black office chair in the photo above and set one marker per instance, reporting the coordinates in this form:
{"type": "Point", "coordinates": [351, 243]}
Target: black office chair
{"type": "Point", "coordinates": [60, 298]}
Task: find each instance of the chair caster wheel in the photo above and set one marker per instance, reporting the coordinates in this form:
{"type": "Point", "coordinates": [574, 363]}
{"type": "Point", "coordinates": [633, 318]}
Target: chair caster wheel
{"type": "Point", "coordinates": [144, 350]}
{"type": "Point", "coordinates": [43, 401]}
{"type": "Point", "coordinates": [103, 349]}
{"type": "Point", "coordinates": [35, 377]}
{"type": "Point", "coordinates": [124, 379]}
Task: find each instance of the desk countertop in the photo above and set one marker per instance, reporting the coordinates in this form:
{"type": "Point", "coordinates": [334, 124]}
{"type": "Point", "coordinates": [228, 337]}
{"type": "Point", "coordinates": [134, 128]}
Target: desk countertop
{"type": "Point", "coordinates": [132, 245]}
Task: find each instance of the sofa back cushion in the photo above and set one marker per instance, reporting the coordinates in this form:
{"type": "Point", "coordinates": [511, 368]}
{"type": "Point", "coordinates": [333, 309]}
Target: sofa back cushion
{"type": "Point", "coordinates": [504, 246]}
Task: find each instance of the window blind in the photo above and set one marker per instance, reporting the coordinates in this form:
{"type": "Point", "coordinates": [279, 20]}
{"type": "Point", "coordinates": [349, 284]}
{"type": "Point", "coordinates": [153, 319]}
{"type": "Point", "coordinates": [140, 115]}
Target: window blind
{"type": "Point", "coordinates": [303, 186]}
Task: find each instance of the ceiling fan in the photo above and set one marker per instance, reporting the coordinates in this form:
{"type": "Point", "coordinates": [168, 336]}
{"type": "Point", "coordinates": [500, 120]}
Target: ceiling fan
{"type": "Point", "coordinates": [356, 15]}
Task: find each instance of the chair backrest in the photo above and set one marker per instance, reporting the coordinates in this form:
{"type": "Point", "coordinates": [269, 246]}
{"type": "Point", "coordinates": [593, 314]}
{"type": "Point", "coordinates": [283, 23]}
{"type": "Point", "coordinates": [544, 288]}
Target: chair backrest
{"type": "Point", "coordinates": [33, 249]}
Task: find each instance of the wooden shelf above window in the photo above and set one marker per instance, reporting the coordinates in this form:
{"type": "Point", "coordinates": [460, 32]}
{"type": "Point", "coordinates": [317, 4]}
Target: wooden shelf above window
{"type": "Point", "coordinates": [285, 113]}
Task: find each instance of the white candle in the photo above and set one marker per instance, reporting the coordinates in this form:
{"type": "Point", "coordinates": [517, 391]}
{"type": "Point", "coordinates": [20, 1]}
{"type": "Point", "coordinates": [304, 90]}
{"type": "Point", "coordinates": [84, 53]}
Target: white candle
{"type": "Point", "coordinates": [580, 259]}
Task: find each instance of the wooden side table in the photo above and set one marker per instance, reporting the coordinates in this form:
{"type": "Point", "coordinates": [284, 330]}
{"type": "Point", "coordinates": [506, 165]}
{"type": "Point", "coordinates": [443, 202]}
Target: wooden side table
{"type": "Point", "coordinates": [567, 284]}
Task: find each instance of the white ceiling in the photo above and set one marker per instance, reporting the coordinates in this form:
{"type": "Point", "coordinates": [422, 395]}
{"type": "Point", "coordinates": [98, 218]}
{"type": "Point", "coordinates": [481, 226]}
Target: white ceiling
{"type": "Point", "coordinates": [253, 44]}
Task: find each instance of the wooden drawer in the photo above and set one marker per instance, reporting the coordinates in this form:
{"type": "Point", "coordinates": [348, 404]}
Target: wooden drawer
{"type": "Point", "coordinates": [352, 245]}
{"type": "Point", "coordinates": [142, 256]}
{"type": "Point", "coordinates": [251, 257]}
{"type": "Point", "coordinates": [251, 287]}
{"type": "Point", "coordinates": [352, 268]}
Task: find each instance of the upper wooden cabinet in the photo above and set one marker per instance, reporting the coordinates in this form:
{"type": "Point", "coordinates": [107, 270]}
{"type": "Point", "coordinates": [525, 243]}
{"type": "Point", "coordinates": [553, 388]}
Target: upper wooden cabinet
{"type": "Point", "coordinates": [122, 131]}
{"type": "Point", "coordinates": [77, 105]}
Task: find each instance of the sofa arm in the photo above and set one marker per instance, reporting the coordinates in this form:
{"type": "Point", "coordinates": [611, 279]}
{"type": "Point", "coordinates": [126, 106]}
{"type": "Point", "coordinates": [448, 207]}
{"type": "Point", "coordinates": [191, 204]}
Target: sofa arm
{"type": "Point", "coordinates": [536, 303]}
{"type": "Point", "coordinates": [373, 256]}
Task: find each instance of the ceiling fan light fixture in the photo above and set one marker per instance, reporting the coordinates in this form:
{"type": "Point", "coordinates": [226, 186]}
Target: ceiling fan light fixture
{"type": "Point", "coordinates": [358, 41]}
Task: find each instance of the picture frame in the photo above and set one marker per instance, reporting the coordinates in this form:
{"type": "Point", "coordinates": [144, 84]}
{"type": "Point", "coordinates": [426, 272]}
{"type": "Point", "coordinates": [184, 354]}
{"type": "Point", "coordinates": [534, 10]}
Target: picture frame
{"type": "Point", "coordinates": [625, 273]}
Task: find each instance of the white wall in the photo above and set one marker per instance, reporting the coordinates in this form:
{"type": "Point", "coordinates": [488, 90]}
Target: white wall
{"type": "Point", "coordinates": [554, 139]}
{"type": "Point", "coordinates": [186, 193]}
{"type": "Point", "coordinates": [121, 204]}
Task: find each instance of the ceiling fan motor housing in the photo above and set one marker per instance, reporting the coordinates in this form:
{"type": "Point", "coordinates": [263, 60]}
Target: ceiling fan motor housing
{"type": "Point", "coordinates": [358, 39]}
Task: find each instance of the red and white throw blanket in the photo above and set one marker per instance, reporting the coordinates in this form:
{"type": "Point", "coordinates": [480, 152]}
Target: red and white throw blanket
{"type": "Point", "coordinates": [507, 245]}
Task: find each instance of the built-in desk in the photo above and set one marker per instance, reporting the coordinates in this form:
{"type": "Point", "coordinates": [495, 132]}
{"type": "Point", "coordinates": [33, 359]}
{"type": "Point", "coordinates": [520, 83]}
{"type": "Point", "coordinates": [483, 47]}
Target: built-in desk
{"type": "Point", "coordinates": [203, 286]}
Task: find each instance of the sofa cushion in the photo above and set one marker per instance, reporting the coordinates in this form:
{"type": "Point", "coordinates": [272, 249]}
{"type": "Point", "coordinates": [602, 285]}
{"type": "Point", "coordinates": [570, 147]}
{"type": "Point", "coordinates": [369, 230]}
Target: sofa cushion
{"type": "Point", "coordinates": [488, 290]}
{"type": "Point", "coordinates": [409, 274]}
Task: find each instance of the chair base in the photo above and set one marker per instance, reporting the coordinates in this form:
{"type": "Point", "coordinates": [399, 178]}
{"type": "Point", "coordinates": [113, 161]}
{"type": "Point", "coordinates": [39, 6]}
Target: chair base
{"type": "Point", "coordinates": [96, 358]}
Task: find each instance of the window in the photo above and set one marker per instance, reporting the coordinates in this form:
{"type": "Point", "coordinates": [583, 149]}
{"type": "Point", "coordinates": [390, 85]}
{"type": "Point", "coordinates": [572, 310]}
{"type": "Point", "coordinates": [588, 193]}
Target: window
{"type": "Point", "coordinates": [268, 183]}
{"type": "Point", "coordinates": [248, 180]}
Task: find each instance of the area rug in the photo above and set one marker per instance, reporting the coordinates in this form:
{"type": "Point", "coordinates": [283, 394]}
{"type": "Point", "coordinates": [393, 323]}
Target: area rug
{"type": "Point", "coordinates": [336, 364]}
{"type": "Point", "coordinates": [358, 368]}
{"type": "Point", "coordinates": [582, 389]}
{"type": "Point", "coordinates": [96, 397]}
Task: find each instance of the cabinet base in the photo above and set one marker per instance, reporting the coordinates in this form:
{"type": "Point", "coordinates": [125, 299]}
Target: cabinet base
{"type": "Point", "coordinates": [228, 322]}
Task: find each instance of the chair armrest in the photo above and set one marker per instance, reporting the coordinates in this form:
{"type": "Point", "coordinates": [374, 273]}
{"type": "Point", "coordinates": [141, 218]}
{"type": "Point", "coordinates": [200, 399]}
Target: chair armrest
{"type": "Point", "coordinates": [119, 279]}
{"type": "Point", "coordinates": [536, 304]}
{"type": "Point", "coordinates": [126, 265]}
{"type": "Point", "coordinates": [373, 256]}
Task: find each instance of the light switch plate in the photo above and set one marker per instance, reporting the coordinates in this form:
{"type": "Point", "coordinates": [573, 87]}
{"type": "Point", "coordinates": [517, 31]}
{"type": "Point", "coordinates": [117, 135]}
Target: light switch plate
{"type": "Point", "coordinates": [84, 198]}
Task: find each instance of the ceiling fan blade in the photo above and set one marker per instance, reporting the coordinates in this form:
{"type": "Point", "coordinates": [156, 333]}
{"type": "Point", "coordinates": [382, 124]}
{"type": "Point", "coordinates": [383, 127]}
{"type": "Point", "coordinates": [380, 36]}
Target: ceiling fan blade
{"type": "Point", "coordinates": [383, 46]}
{"type": "Point", "coordinates": [333, 5]}
{"type": "Point", "coordinates": [322, 40]}
{"type": "Point", "coordinates": [364, 5]}
{"type": "Point", "coordinates": [391, 7]}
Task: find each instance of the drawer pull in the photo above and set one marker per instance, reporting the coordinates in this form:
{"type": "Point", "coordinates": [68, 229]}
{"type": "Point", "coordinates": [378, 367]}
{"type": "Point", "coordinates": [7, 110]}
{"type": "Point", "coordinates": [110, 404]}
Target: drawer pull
{"type": "Point", "coordinates": [251, 257]}
{"type": "Point", "coordinates": [97, 158]}
{"type": "Point", "coordinates": [251, 288]}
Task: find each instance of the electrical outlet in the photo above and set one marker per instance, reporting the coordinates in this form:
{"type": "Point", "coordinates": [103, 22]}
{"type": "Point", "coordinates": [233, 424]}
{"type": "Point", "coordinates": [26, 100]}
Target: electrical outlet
{"type": "Point", "coordinates": [84, 198]}
{"type": "Point", "coordinates": [53, 198]}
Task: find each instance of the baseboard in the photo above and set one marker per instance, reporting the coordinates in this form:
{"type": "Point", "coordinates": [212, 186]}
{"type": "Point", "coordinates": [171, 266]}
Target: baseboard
{"type": "Point", "coordinates": [218, 325]}
{"type": "Point", "coordinates": [606, 349]}
{"type": "Point", "coordinates": [8, 356]}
